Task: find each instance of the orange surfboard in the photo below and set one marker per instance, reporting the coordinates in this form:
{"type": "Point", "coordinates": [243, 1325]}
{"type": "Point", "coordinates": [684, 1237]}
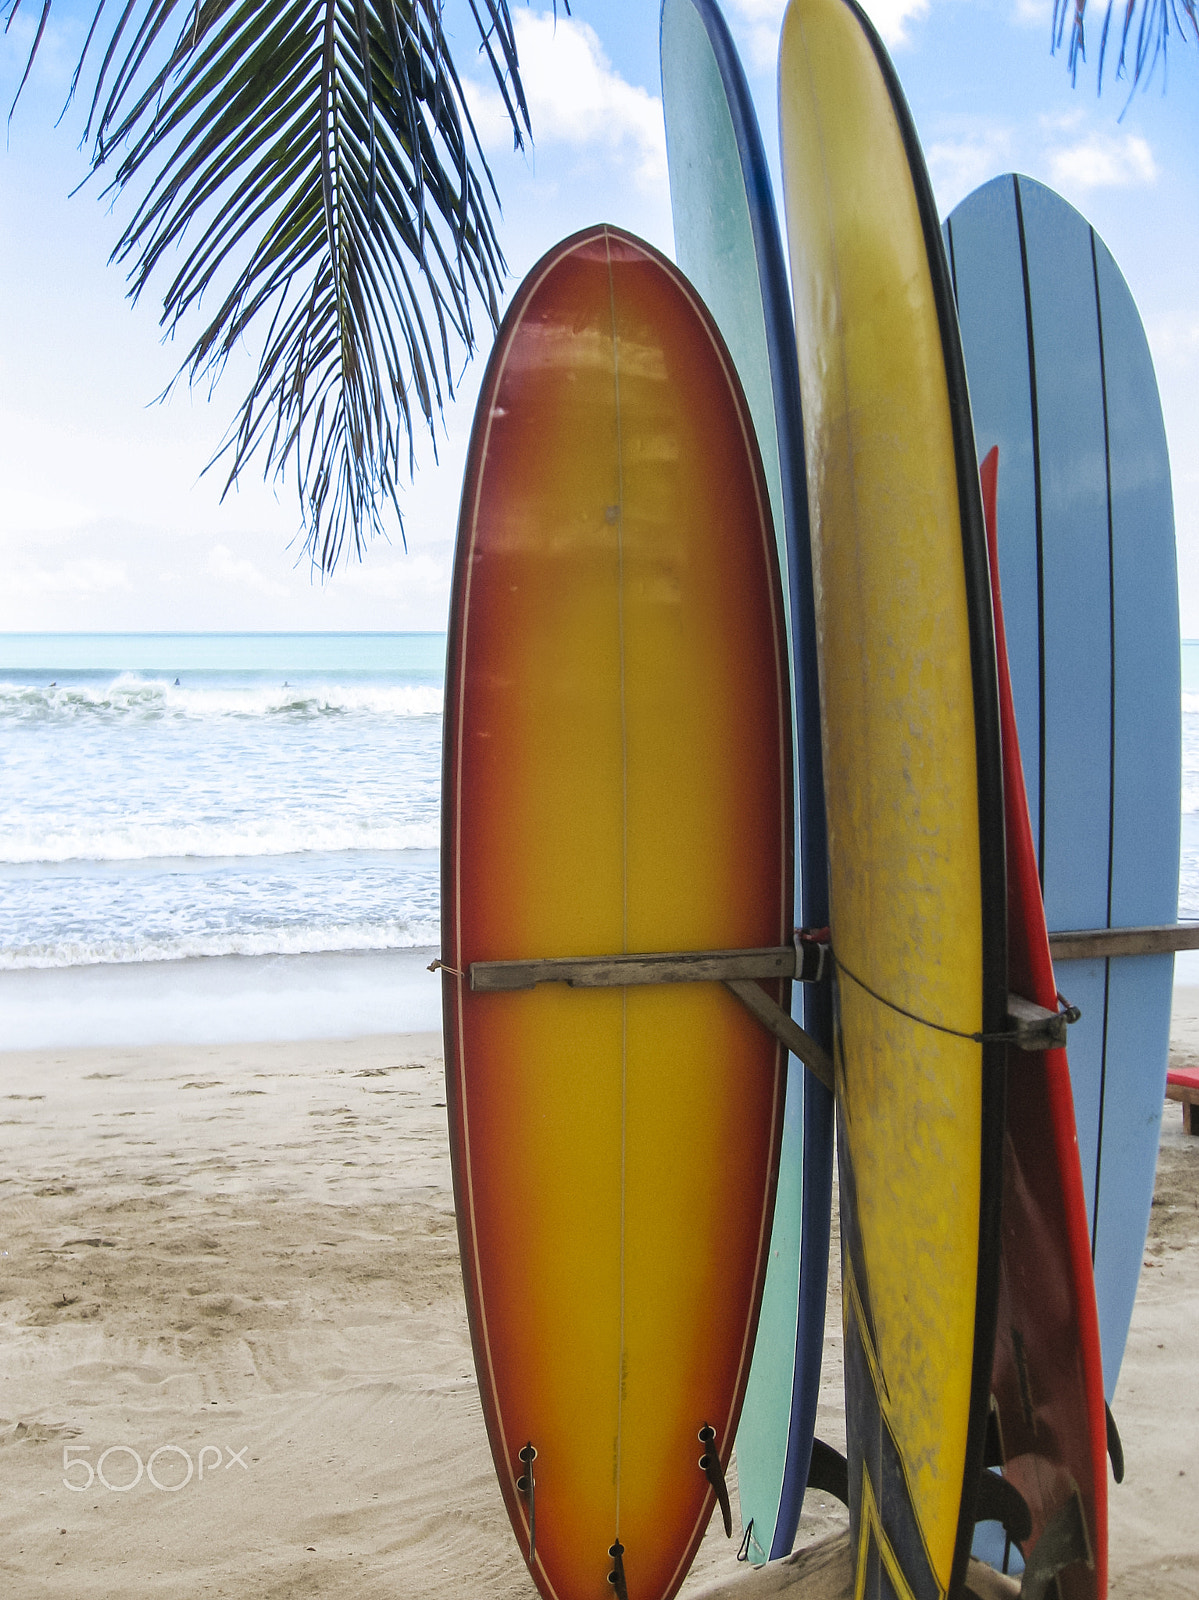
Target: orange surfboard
{"type": "Point", "coordinates": [617, 780]}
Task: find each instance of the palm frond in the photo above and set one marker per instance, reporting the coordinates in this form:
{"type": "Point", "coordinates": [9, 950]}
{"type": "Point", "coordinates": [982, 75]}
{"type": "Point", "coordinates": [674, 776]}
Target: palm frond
{"type": "Point", "coordinates": [1145, 32]}
{"type": "Point", "coordinates": [310, 171]}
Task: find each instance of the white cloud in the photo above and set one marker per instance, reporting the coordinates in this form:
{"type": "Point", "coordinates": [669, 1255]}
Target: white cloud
{"type": "Point", "coordinates": [225, 567]}
{"type": "Point", "coordinates": [1068, 151]}
{"type": "Point", "coordinates": [403, 575]}
{"type": "Point", "coordinates": [758, 23]}
{"type": "Point", "coordinates": [761, 22]}
{"type": "Point", "coordinates": [1174, 339]}
{"type": "Point", "coordinates": [957, 165]}
{"type": "Point", "coordinates": [766, 13]}
{"type": "Point", "coordinates": [1104, 161]}
{"type": "Point", "coordinates": [57, 51]}
{"type": "Point", "coordinates": [891, 17]}
{"type": "Point", "coordinates": [81, 579]}
{"type": "Point", "coordinates": [408, 589]}
{"type": "Point", "coordinates": [33, 511]}
{"type": "Point", "coordinates": [576, 98]}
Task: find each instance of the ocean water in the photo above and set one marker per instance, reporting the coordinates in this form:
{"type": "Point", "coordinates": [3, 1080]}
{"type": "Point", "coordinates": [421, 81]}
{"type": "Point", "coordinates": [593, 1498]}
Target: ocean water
{"type": "Point", "coordinates": [172, 799]}
{"type": "Point", "coordinates": [234, 836]}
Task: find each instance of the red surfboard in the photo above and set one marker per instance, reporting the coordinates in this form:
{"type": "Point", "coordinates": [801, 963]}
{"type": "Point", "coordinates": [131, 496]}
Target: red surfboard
{"type": "Point", "coordinates": [1047, 1378]}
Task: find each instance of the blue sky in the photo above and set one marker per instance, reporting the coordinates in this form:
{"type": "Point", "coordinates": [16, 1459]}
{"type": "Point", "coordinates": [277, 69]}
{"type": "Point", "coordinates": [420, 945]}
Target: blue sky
{"type": "Point", "coordinates": [106, 520]}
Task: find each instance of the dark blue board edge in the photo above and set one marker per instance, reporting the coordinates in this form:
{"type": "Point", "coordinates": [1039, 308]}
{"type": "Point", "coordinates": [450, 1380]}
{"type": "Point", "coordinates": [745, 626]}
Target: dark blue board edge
{"type": "Point", "coordinates": [812, 855]}
{"type": "Point", "coordinates": [992, 848]}
{"type": "Point", "coordinates": [1034, 410]}
{"type": "Point", "coordinates": [1111, 715]}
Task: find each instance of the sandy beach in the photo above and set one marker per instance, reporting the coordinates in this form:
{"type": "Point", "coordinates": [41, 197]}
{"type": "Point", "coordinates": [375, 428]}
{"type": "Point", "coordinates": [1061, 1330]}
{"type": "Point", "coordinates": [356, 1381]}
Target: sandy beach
{"type": "Point", "coordinates": [235, 1359]}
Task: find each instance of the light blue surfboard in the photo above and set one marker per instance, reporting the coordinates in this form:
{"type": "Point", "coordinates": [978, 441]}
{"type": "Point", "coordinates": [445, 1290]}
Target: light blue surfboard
{"type": "Point", "coordinates": [1062, 381]}
{"type": "Point", "coordinates": [727, 242]}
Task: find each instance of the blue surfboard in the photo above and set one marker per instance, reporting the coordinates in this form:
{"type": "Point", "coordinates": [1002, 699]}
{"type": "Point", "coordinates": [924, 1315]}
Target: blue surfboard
{"type": "Point", "coordinates": [727, 241]}
{"type": "Point", "coordinates": [1062, 380]}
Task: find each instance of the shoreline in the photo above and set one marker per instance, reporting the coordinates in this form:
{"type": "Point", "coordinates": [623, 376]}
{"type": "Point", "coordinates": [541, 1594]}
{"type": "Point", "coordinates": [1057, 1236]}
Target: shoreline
{"type": "Point", "coordinates": [243, 1257]}
{"type": "Point", "coordinates": [220, 1000]}
{"type": "Point", "coordinates": [238, 999]}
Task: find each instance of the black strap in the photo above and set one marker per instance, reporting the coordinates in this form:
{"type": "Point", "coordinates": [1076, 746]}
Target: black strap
{"type": "Point", "coordinates": [1007, 1036]}
{"type": "Point", "coordinates": [747, 1536]}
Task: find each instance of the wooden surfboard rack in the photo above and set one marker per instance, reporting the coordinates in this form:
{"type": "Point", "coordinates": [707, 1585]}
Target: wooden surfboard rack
{"type": "Point", "coordinates": [1084, 944]}
{"type": "Point", "coordinates": [805, 961]}
{"type": "Point", "coordinates": [1030, 1027]}
{"type": "Point", "coordinates": [802, 961]}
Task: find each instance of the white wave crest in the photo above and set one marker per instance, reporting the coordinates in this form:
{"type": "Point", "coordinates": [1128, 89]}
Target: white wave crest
{"type": "Point", "coordinates": [337, 938]}
{"type": "Point", "coordinates": [131, 696]}
{"type": "Point", "coordinates": [135, 840]}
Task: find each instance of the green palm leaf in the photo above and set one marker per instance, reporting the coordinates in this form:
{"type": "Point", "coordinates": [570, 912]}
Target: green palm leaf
{"type": "Point", "coordinates": [310, 170]}
{"type": "Point", "coordinates": [1144, 34]}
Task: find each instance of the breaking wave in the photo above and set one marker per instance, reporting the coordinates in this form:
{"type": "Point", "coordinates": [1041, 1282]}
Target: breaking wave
{"type": "Point", "coordinates": [132, 697]}
{"type": "Point", "coordinates": [399, 934]}
{"type": "Point", "coordinates": [135, 840]}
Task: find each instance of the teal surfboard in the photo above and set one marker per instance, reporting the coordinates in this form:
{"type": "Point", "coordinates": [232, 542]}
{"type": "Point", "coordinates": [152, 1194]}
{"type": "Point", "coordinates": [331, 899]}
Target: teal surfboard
{"type": "Point", "coordinates": [1061, 379]}
{"type": "Point", "coordinates": [728, 243]}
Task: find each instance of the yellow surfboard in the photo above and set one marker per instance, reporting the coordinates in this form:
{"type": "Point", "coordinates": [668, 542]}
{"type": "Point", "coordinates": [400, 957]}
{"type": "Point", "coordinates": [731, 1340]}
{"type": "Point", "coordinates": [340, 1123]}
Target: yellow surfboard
{"type": "Point", "coordinates": [913, 782]}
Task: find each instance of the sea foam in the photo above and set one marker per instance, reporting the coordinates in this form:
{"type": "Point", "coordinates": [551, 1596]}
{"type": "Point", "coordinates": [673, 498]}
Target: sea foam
{"type": "Point", "coordinates": [399, 934]}
{"type": "Point", "coordinates": [147, 842]}
{"type": "Point", "coordinates": [132, 697]}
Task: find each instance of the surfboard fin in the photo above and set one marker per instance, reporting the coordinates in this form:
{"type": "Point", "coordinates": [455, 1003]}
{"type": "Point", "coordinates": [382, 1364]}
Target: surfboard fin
{"type": "Point", "coordinates": [828, 1471]}
{"type": "Point", "coordinates": [710, 1462]}
{"type": "Point", "coordinates": [1000, 1501]}
{"type": "Point", "coordinates": [527, 1484]}
{"type": "Point", "coordinates": [1063, 1542]}
{"type": "Point", "coordinates": [616, 1576]}
{"type": "Point", "coordinates": [1115, 1448]}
